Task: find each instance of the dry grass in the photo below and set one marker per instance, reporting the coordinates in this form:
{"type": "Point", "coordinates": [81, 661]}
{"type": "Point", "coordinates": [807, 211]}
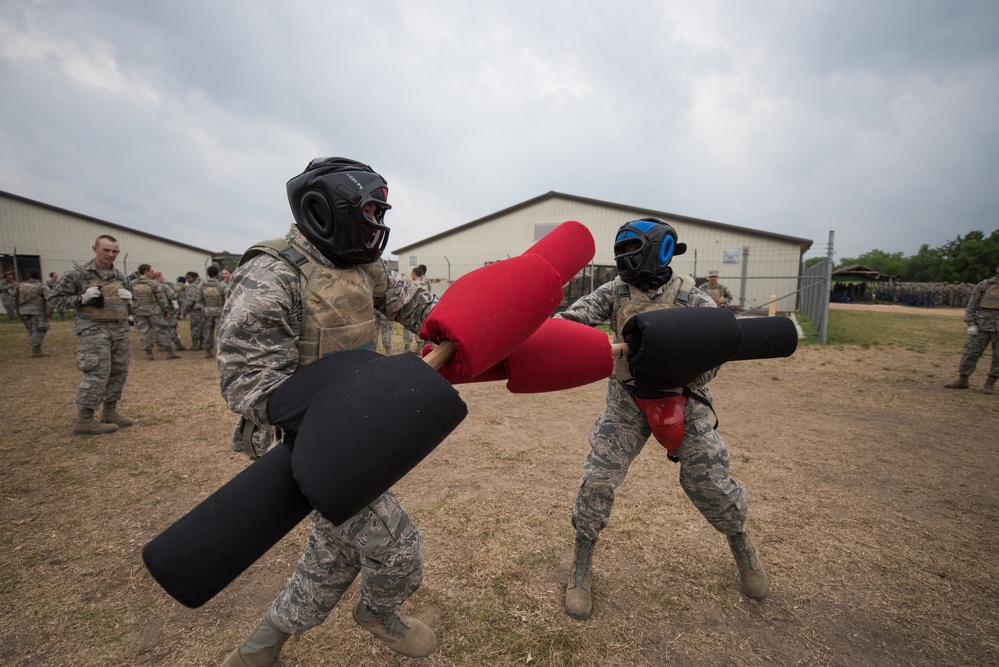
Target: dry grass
{"type": "Point", "coordinates": [872, 502]}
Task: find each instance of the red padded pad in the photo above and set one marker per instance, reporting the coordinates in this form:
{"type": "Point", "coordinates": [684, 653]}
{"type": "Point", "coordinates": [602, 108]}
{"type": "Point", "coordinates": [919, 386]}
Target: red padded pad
{"type": "Point", "coordinates": [569, 247]}
{"type": "Point", "coordinates": [561, 354]}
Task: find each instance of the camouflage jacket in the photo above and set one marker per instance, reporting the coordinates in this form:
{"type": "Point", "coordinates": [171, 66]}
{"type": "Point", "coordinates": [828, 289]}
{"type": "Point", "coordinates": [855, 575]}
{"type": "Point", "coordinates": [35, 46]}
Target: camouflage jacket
{"type": "Point", "coordinates": [986, 319]}
{"type": "Point", "coordinates": [719, 292]}
{"type": "Point", "coordinates": [262, 319]}
{"type": "Point", "coordinates": [602, 306]}
{"type": "Point", "coordinates": [32, 298]}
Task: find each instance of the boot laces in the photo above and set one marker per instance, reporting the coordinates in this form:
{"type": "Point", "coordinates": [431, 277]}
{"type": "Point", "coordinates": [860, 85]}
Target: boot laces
{"type": "Point", "coordinates": [584, 555]}
{"type": "Point", "coordinates": [741, 548]}
{"type": "Point", "coordinates": [392, 624]}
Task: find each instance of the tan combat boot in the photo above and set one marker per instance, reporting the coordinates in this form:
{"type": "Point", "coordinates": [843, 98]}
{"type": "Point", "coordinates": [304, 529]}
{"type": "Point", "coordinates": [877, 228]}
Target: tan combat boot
{"type": "Point", "coordinates": [172, 355]}
{"type": "Point", "coordinates": [400, 633]}
{"type": "Point", "coordinates": [578, 600]}
{"type": "Point", "coordinates": [960, 383]}
{"type": "Point", "coordinates": [752, 576]}
{"type": "Point", "coordinates": [149, 355]}
{"type": "Point", "coordinates": [990, 385]}
{"type": "Point", "coordinates": [262, 649]}
{"type": "Point", "coordinates": [87, 425]}
{"type": "Point", "coordinates": [110, 416]}
{"type": "Point", "coordinates": [36, 351]}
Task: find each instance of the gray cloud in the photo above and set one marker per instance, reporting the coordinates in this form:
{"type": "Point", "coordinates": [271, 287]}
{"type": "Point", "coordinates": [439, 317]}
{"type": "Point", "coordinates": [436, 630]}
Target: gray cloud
{"type": "Point", "coordinates": [185, 119]}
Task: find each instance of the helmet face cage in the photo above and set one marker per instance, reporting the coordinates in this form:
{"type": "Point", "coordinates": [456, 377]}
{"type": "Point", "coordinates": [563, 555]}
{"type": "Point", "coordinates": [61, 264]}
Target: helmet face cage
{"type": "Point", "coordinates": [328, 201]}
{"type": "Point", "coordinates": [655, 248]}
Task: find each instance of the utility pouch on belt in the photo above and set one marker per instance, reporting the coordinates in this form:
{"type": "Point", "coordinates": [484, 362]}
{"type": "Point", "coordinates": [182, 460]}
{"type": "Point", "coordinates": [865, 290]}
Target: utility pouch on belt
{"type": "Point", "coordinates": [665, 416]}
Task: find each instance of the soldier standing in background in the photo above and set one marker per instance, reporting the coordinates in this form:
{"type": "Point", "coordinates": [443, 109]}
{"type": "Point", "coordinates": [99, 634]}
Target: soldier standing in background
{"type": "Point", "coordinates": [191, 308]}
{"type": "Point", "coordinates": [418, 276]}
{"type": "Point", "coordinates": [8, 294]}
{"type": "Point", "coordinates": [383, 331]}
{"type": "Point", "coordinates": [982, 318]}
{"type": "Point", "coordinates": [152, 307]}
{"type": "Point", "coordinates": [718, 292]}
{"type": "Point", "coordinates": [643, 250]}
{"type": "Point", "coordinates": [100, 295]}
{"type": "Point", "coordinates": [51, 283]}
{"type": "Point", "coordinates": [211, 298]}
{"type": "Point", "coordinates": [174, 311]}
{"type": "Point", "coordinates": [274, 323]}
{"type": "Point", "coordinates": [32, 298]}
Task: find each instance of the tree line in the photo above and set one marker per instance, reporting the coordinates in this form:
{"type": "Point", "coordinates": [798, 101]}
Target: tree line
{"type": "Point", "coordinates": [966, 259]}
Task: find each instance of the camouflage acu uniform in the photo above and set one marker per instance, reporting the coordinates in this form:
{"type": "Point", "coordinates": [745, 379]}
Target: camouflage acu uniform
{"type": "Point", "coordinates": [103, 353]}
{"type": "Point", "coordinates": [151, 308]}
{"type": "Point", "coordinates": [718, 292]}
{"type": "Point", "coordinates": [31, 306]}
{"type": "Point", "coordinates": [194, 310]}
{"type": "Point", "coordinates": [171, 315]}
{"type": "Point", "coordinates": [211, 297]}
{"type": "Point", "coordinates": [265, 335]}
{"type": "Point", "coordinates": [383, 331]}
{"type": "Point", "coordinates": [983, 312]}
{"type": "Point", "coordinates": [407, 335]}
{"type": "Point", "coordinates": [9, 298]}
{"type": "Point", "coordinates": [620, 433]}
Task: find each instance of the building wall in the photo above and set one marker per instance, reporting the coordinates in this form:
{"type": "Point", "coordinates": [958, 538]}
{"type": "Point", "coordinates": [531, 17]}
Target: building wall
{"type": "Point", "coordinates": [770, 265]}
{"type": "Point", "coordinates": [61, 239]}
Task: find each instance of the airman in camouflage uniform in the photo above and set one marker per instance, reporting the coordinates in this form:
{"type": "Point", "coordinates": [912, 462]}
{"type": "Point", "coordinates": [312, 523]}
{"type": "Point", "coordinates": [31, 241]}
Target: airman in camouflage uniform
{"type": "Point", "coordinates": [272, 324]}
{"type": "Point", "coordinates": [173, 313]}
{"type": "Point", "coordinates": [152, 306]}
{"type": "Point", "coordinates": [718, 292]}
{"type": "Point", "coordinates": [194, 310]}
{"type": "Point", "coordinates": [383, 331]}
{"type": "Point", "coordinates": [419, 277]}
{"type": "Point", "coordinates": [982, 318]}
{"type": "Point", "coordinates": [643, 250]}
{"type": "Point", "coordinates": [101, 296]}
{"type": "Point", "coordinates": [8, 295]}
{"type": "Point", "coordinates": [211, 298]}
{"type": "Point", "coordinates": [32, 297]}
{"type": "Point", "coordinates": [51, 283]}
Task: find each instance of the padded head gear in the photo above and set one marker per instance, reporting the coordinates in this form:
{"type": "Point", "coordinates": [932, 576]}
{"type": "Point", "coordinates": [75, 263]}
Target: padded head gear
{"type": "Point", "coordinates": [638, 263]}
{"type": "Point", "coordinates": [328, 201]}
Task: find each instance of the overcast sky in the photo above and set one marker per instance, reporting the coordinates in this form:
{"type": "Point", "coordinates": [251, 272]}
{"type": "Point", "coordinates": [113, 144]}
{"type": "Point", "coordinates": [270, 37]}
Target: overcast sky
{"type": "Point", "coordinates": [875, 119]}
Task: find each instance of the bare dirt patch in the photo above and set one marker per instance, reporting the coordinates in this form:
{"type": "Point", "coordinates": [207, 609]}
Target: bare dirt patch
{"type": "Point", "coordinates": [872, 502]}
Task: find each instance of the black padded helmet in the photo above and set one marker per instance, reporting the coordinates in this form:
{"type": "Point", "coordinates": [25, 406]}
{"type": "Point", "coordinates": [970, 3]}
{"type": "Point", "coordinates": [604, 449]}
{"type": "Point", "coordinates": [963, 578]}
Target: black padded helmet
{"type": "Point", "coordinates": [657, 247]}
{"type": "Point", "coordinates": [328, 200]}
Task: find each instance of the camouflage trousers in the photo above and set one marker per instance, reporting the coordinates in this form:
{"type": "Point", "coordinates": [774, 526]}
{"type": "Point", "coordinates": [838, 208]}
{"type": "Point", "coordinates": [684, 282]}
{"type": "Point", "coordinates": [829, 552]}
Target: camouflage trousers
{"type": "Point", "coordinates": [172, 330]}
{"type": "Point", "coordinates": [154, 329]}
{"type": "Point", "coordinates": [37, 326]}
{"type": "Point", "coordinates": [409, 337]}
{"type": "Point", "coordinates": [383, 331]}
{"type": "Point", "coordinates": [209, 325]}
{"type": "Point", "coordinates": [381, 543]}
{"type": "Point", "coordinates": [103, 356]}
{"type": "Point", "coordinates": [197, 322]}
{"type": "Point", "coordinates": [617, 437]}
{"type": "Point", "coordinates": [974, 347]}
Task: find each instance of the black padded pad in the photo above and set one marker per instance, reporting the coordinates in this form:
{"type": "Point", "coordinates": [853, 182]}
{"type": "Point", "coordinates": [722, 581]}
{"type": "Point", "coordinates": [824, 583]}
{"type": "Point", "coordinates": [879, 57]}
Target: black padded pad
{"type": "Point", "coordinates": [766, 338]}
{"type": "Point", "coordinates": [207, 548]}
{"type": "Point", "coordinates": [288, 403]}
{"type": "Point", "coordinates": [676, 345]}
{"type": "Point", "coordinates": [364, 432]}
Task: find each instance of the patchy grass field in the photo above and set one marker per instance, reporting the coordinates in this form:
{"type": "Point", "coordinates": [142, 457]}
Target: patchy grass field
{"type": "Point", "coordinates": [872, 501]}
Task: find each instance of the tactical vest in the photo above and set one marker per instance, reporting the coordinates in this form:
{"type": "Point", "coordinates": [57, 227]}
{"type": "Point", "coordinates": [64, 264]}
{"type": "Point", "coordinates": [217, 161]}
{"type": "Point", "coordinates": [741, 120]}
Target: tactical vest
{"type": "Point", "coordinates": [630, 301]}
{"type": "Point", "coordinates": [990, 297]}
{"type": "Point", "coordinates": [337, 304]}
{"type": "Point", "coordinates": [115, 309]}
{"type": "Point", "coordinates": [145, 297]}
{"type": "Point", "coordinates": [211, 294]}
{"type": "Point", "coordinates": [30, 294]}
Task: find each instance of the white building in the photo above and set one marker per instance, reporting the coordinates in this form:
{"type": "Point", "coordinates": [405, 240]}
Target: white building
{"type": "Point", "coordinates": [40, 236]}
{"type": "Point", "coordinates": [754, 265]}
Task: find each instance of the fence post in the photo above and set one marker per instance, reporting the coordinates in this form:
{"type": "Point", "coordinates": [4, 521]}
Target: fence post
{"type": "Point", "coordinates": [824, 329]}
{"type": "Point", "coordinates": [745, 271]}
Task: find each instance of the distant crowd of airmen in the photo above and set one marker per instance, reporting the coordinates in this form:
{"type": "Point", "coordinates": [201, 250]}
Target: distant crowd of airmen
{"type": "Point", "coordinates": [919, 295]}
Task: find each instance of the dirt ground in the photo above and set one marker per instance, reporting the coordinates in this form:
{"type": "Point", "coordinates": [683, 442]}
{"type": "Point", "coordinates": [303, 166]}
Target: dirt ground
{"type": "Point", "coordinates": [872, 501]}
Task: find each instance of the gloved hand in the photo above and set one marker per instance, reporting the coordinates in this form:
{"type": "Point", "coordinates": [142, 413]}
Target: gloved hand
{"type": "Point", "coordinates": [124, 294]}
{"type": "Point", "coordinates": [92, 293]}
{"type": "Point", "coordinates": [972, 330]}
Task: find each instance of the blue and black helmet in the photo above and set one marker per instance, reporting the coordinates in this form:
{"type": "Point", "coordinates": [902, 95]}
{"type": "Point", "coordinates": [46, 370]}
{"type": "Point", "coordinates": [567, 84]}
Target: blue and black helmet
{"type": "Point", "coordinates": [656, 247]}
